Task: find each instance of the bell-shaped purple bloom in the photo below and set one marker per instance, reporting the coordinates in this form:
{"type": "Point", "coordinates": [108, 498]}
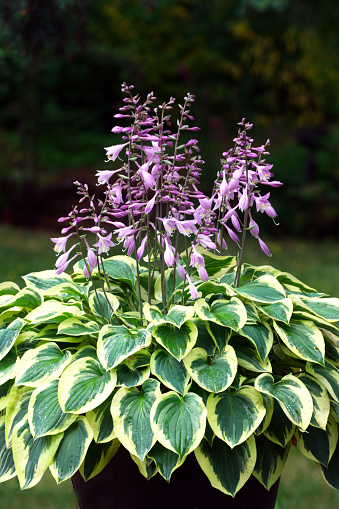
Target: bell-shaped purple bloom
{"type": "Point", "coordinates": [113, 152]}
{"type": "Point", "coordinates": [104, 243]}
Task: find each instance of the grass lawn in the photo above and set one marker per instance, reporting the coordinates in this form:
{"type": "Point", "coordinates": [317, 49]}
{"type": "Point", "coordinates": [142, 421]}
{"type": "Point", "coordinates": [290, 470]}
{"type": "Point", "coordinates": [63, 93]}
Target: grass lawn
{"type": "Point", "coordinates": [316, 263]}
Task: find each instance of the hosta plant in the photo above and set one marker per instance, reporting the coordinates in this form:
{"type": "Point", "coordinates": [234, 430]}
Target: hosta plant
{"type": "Point", "coordinates": [172, 347]}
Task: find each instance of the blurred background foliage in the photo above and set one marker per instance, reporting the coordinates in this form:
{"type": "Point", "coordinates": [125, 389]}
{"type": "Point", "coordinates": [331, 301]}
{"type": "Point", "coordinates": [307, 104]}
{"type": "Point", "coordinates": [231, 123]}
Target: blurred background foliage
{"type": "Point", "coordinates": [275, 62]}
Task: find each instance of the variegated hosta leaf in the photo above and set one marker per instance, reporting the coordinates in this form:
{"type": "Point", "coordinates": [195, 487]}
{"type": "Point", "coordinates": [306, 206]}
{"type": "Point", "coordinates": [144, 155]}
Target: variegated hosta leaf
{"type": "Point", "coordinates": [9, 288]}
{"type": "Point", "coordinates": [101, 422]}
{"type": "Point", "coordinates": [67, 291]}
{"type": "Point", "coordinates": [84, 385]}
{"type": "Point", "coordinates": [127, 376]}
{"type": "Point", "coordinates": [280, 311]}
{"type": "Point", "coordinates": [32, 456]}
{"type": "Point", "coordinates": [261, 335]}
{"type": "Point", "coordinates": [321, 400]}
{"type": "Point", "coordinates": [147, 466]}
{"type": "Point", "coordinates": [17, 409]}
{"type": "Point", "coordinates": [52, 311]}
{"type": "Point", "coordinates": [179, 422]}
{"type": "Point", "coordinates": [220, 335]}
{"type": "Point", "coordinates": [103, 304]}
{"type": "Point", "coordinates": [72, 450]}
{"type": "Point", "coordinates": [176, 316]}
{"type": "Point", "coordinates": [50, 333]}
{"type": "Point", "coordinates": [41, 365]}
{"type": "Point", "coordinates": [46, 279]}
{"type": "Point", "coordinates": [266, 289]}
{"type": "Point", "coordinates": [169, 370]}
{"type": "Point", "coordinates": [7, 468]}
{"type": "Point", "coordinates": [330, 472]}
{"type": "Point", "coordinates": [122, 268]}
{"type": "Point", "coordinates": [9, 335]}
{"type": "Point", "coordinates": [97, 457]}
{"type": "Point", "coordinates": [78, 326]}
{"type": "Point", "coordinates": [166, 461]}
{"type": "Point", "coordinates": [85, 351]}
{"type": "Point", "coordinates": [271, 459]}
{"type": "Point", "coordinates": [280, 429]}
{"type": "Point", "coordinates": [8, 366]}
{"type": "Point", "coordinates": [204, 339]}
{"type": "Point", "coordinates": [45, 415]}
{"type": "Point", "coordinates": [177, 342]}
{"type": "Point", "coordinates": [169, 287]}
{"type": "Point", "coordinates": [234, 416]}
{"type": "Point", "coordinates": [318, 444]}
{"type": "Point", "coordinates": [248, 357]}
{"type": "Point", "coordinates": [217, 265]}
{"type": "Point", "coordinates": [288, 280]}
{"type": "Point", "coordinates": [327, 375]}
{"type": "Point", "coordinates": [28, 298]}
{"type": "Point", "coordinates": [214, 373]}
{"type": "Point", "coordinates": [131, 417]}
{"type": "Point", "coordinates": [292, 395]}
{"type": "Point", "coordinates": [116, 343]}
{"type": "Point", "coordinates": [304, 339]}
{"type": "Point", "coordinates": [227, 469]}
{"type": "Point", "coordinates": [229, 313]}
{"type": "Point", "coordinates": [269, 407]}
{"type": "Point", "coordinates": [212, 287]}
{"type": "Point", "coordinates": [327, 308]}
{"type": "Point", "coordinates": [5, 390]}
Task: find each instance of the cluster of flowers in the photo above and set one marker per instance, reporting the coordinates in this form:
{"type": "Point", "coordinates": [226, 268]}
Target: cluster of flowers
{"type": "Point", "coordinates": [153, 198]}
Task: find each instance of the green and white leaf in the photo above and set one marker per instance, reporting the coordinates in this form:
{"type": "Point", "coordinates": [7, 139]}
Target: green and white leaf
{"type": "Point", "coordinates": [220, 335]}
{"type": "Point", "coordinates": [248, 357]}
{"type": "Point", "coordinates": [9, 288]}
{"type": "Point", "coordinates": [8, 367]}
{"type": "Point", "coordinates": [131, 417]}
{"type": "Point", "coordinates": [166, 461]}
{"type": "Point", "coordinates": [72, 450]}
{"type": "Point", "coordinates": [7, 468]}
{"type": "Point", "coordinates": [214, 373]}
{"type": "Point", "coordinates": [117, 342]}
{"type": "Point", "coordinates": [292, 395]}
{"type": "Point", "coordinates": [122, 268]}
{"type": "Point", "coordinates": [17, 409]}
{"type": "Point", "coordinates": [328, 375]}
{"type": "Point", "coordinates": [171, 372]}
{"type": "Point", "coordinates": [176, 316]}
{"type": "Point", "coordinates": [271, 460]}
{"type": "Point", "coordinates": [280, 429]}
{"type": "Point", "coordinates": [52, 311]}
{"type": "Point", "coordinates": [319, 444]}
{"type": "Point", "coordinates": [234, 416]}
{"type": "Point", "coordinates": [46, 279]}
{"type": "Point", "coordinates": [321, 400]}
{"type": "Point", "coordinates": [127, 376]}
{"type": "Point", "coordinates": [8, 336]}
{"type": "Point", "coordinates": [32, 456]}
{"type": "Point", "coordinates": [84, 385]}
{"type": "Point", "coordinates": [40, 365]}
{"type": "Point", "coordinates": [147, 467]}
{"type": "Point", "coordinates": [97, 457]}
{"type": "Point", "coordinates": [103, 304]}
{"type": "Point", "coordinates": [327, 308]}
{"type": "Point", "coordinates": [179, 422]}
{"type": "Point", "coordinates": [229, 313]}
{"type": "Point", "coordinates": [227, 469]}
{"type": "Point", "coordinates": [177, 342]}
{"type": "Point", "coordinates": [304, 339]}
{"type": "Point", "coordinates": [45, 415]}
{"type": "Point", "coordinates": [5, 390]}
{"type": "Point", "coordinates": [330, 472]}
{"type": "Point", "coordinates": [261, 335]}
{"type": "Point", "coordinates": [78, 326]}
{"type": "Point", "coordinates": [279, 311]}
{"type": "Point", "coordinates": [101, 422]}
{"type": "Point", "coordinates": [27, 298]}
{"type": "Point", "coordinates": [266, 290]}
{"type": "Point", "coordinates": [168, 282]}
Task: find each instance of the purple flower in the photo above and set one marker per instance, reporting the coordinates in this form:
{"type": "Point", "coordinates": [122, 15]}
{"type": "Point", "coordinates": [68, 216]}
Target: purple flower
{"type": "Point", "coordinates": [264, 247]}
{"type": "Point", "coordinates": [168, 254]}
{"type": "Point", "coordinates": [91, 261]}
{"type": "Point", "coordinates": [263, 205]}
{"type": "Point", "coordinates": [141, 248]}
{"type": "Point", "coordinates": [192, 289]}
{"type": "Point", "coordinates": [63, 261]}
{"type": "Point", "coordinates": [104, 243]}
{"type": "Point", "coordinates": [253, 227]}
{"type": "Point", "coordinates": [198, 261]}
{"type": "Point", "coordinates": [104, 176]}
{"type": "Point", "coordinates": [60, 243]}
{"type": "Point", "coordinates": [186, 227]}
{"type": "Point", "coordinates": [113, 152]}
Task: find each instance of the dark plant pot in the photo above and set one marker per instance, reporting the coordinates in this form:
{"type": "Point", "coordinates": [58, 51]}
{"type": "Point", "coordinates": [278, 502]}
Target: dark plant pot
{"type": "Point", "coordinates": [121, 486]}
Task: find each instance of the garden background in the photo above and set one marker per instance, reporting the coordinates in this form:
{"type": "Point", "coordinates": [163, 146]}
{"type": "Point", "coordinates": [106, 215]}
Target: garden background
{"type": "Point", "coordinates": [274, 62]}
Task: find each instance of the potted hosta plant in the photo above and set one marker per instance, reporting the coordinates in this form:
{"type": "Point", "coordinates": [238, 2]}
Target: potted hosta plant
{"type": "Point", "coordinates": [172, 359]}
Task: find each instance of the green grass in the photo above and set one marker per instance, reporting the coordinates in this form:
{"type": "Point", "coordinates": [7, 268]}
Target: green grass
{"type": "Point", "coordinates": [316, 263]}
